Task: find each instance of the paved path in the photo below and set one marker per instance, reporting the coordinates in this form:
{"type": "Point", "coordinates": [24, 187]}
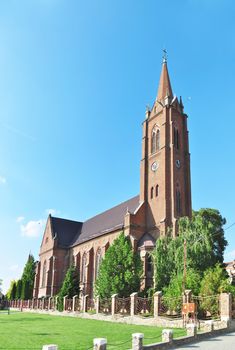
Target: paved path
{"type": "Point", "coordinates": [223, 342]}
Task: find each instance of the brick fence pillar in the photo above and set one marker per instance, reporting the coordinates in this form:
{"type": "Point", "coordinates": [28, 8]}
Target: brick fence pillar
{"type": "Point", "coordinates": [50, 347]}
{"type": "Point", "coordinates": [157, 303]}
{"type": "Point", "coordinates": [64, 302]}
{"type": "Point", "coordinates": [74, 302]}
{"type": "Point", "coordinates": [113, 306]}
{"type": "Point", "coordinates": [56, 302]}
{"type": "Point", "coordinates": [133, 303]}
{"type": "Point", "coordinates": [86, 303]}
{"type": "Point", "coordinates": [226, 306]}
{"type": "Point", "coordinates": [100, 344]}
{"type": "Point", "coordinates": [97, 304]}
{"type": "Point", "coordinates": [137, 341]}
{"type": "Point", "coordinates": [191, 330]}
{"type": "Point", "coordinates": [167, 335]}
{"type": "Point", "coordinates": [209, 326]}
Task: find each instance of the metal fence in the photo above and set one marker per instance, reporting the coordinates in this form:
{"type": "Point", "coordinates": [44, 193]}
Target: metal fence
{"type": "Point", "coordinates": [171, 307]}
{"type": "Point", "coordinates": [208, 307]}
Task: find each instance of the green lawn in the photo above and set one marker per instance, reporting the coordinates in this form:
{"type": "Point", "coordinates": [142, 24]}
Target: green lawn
{"type": "Point", "coordinates": [31, 331]}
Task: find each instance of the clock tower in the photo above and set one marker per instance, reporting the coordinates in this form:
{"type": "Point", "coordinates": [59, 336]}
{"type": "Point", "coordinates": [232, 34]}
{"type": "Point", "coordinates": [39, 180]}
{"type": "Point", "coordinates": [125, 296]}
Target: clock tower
{"type": "Point", "coordinates": [165, 163]}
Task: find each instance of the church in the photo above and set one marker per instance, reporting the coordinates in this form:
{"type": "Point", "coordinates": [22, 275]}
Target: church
{"type": "Point", "coordinates": [165, 195]}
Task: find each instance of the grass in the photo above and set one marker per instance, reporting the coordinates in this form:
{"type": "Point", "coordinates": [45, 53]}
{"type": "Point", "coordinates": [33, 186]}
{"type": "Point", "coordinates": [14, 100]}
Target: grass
{"type": "Point", "coordinates": [32, 331]}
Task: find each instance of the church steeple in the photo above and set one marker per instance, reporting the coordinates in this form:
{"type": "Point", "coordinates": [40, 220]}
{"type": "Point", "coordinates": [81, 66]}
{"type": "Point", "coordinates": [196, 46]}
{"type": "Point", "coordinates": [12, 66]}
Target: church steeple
{"type": "Point", "coordinates": [164, 88]}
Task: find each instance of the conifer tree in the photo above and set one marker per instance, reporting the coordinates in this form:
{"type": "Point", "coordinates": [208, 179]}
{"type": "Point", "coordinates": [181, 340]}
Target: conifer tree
{"type": "Point", "coordinates": [18, 289]}
{"type": "Point", "coordinates": [11, 293]}
{"type": "Point", "coordinates": [70, 286]}
{"type": "Point", "coordinates": [120, 270]}
{"type": "Point", "coordinates": [28, 278]}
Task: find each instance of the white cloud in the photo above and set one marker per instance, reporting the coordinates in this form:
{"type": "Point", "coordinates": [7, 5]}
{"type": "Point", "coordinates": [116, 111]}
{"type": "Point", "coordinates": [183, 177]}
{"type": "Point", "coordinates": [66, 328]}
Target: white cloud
{"type": "Point", "coordinates": [3, 180]}
{"type": "Point", "coordinates": [52, 211]}
{"type": "Point", "coordinates": [32, 228]}
{"type": "Point", "coordinates": [20, 219]}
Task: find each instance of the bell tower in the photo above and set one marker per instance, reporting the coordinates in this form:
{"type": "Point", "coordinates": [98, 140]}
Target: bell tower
{"type": "Point", "coordinates": [165, 164]}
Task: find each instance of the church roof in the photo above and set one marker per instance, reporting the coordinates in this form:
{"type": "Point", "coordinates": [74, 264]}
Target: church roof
{"type": "Point", "coordinates": [65, 230]}
{"type": "Point", "coordinates": [70, 233]}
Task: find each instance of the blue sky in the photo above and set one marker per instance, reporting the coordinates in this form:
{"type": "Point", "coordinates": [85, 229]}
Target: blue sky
{"type": "Point", "coordinates": [75, 77]}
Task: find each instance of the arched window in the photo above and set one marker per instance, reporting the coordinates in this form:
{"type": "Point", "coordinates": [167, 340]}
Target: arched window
{"type": "Point", "coordinates": [157, 191]}
{"type": "Point", "coordinates": [176, 138]}
{"type": "Point", "coordinates": [44, 273]}
{"type": "Point", "coordinates": [178, 202]}
{"type": "Point", "coordinates": [84, 262]}
{"type": "Point", "coordinates": [155, 140]}
{"type": "Point", "coordinates": [151, 193]}
{"type": "Point", "coordinates": [98, 259]}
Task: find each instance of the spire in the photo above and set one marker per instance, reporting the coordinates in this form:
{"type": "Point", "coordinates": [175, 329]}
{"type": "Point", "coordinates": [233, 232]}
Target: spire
{"type": "Point", "coordinates": [164, 88]}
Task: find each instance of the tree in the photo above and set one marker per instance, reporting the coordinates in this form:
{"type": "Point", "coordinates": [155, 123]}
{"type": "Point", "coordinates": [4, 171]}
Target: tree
{"type": "Point", "coordinates": [215, 280]}
{"type": "Point", "coordinates": [204, 236]}
{"type": "Point", "coordinates": [18, 289]}
{"type": "Point", "coordinates": [11, 293]}
{"type": "Point", "coordinates": [120, 270]}
{"type": "Point", "coordinates": [70, 286]}
{"type": "Point", "coordinates": [174, 289]}
{"type": "Point", "coordinates": [28, 278]}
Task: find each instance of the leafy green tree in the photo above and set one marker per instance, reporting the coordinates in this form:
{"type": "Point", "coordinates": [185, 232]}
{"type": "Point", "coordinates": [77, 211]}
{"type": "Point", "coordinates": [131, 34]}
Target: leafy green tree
{"type": "Point", "coordinates": [28, 278]}
{"type": "Point", "coordinates": [70, 286]}
{"type": "Point", "coordinates": [120, 270]}
{"type": "Point", "coordinates": [11, 293]}
{"type": "Point", "coordinates": [174, 289]}
{"type": "Point", "coordinates": [18, 289]}
{"type": "Point", "coordinates": [215, 280]}
{"type": "Point", "coordinates": [204, 236]}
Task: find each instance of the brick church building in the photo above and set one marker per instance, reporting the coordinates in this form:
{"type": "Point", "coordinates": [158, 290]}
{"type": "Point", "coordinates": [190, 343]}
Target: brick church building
{"type": "Point", "coordinates": [165, 195]}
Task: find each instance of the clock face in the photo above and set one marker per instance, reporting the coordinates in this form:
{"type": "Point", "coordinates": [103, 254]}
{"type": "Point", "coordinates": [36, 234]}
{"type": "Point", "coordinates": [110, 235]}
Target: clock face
{"type": "Point", "coordinates": [177, 163]}
{"type": "Point", "coordinates": [155, 166]}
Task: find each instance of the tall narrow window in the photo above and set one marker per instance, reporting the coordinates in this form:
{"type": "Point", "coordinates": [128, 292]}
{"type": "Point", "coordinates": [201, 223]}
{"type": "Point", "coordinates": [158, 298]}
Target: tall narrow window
{"type": "Point", "coordinates": [158, 140]}
{"type": "Point", "coordinates": [84, 262]}
{"type": "Point", "coordinates": [44, 272]}
{"type": "Point", "coordinates": [97, 262]}
{"type": "Point", "coordinates": [151, 193]}
{"type": "Point", "coordinates": [176, 138]}
{"type": "Point", "coordinates": [178, 202]}
{"type": "Point", "coordinates": [155, 140]}
{"type": "Point", "coordinates": [157, 191]}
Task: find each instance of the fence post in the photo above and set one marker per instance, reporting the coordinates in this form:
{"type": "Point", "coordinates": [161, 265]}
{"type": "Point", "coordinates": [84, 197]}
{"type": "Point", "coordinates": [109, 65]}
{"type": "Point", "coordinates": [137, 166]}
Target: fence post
{"type": "Point", "coordinates": [137, 341]}
{"type": "Point", "coordinates": [191, 329]}
{"type": "Point", "coordinates": [97, 305]}
{"type": "Point", "coordinates": [209, 326]}
{"type": "Point", "coordinates": [113, 306]}
{"type": "Point", "coordinates": [188, 295]}
{"type": "Point", "coordinates": [43, 303]}
{"type": "Point", "coordinates": [49, 303]}
{"type": "Point", "coordinates": [133, 303]}
{"type": "Point", "coordinates": [167, 335]}
{"type": "Point", "coordinates": [64, 302]}
{"type": "Point", "coordinates": [226, 306]}
{"type": "Point", "coordinates": [56, 302]}
{"type": "Point", "coordinates": [100, 344]}
{"type": "Point", "coordinates": [157, 303]}
{"type": "Point", "coordinates": [50, 347]}
{"type": "Point", "coordinates": [85, 303]}
{"type": "Point", "coordinates": [74, 302]}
